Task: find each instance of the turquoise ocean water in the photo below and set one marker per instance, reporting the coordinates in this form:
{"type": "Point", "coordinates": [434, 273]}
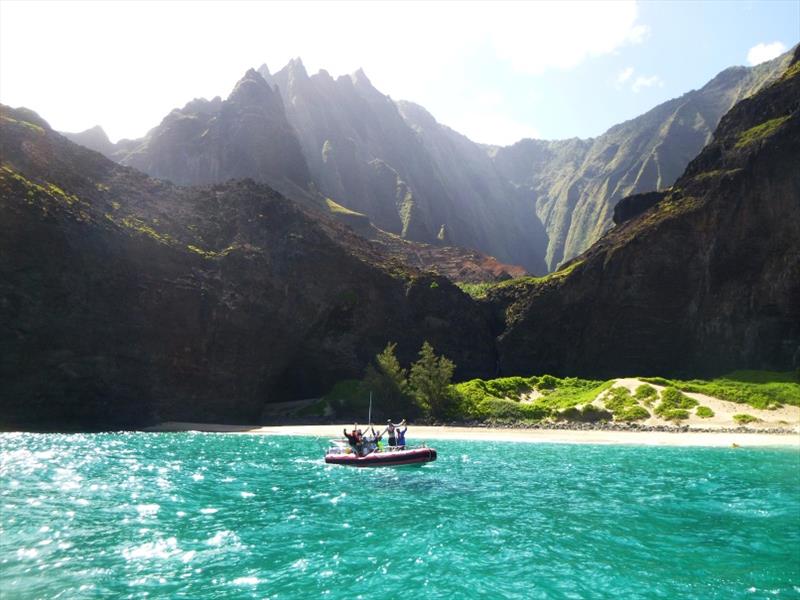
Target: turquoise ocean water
{"type": "Point", "coordinates": [189, 515]}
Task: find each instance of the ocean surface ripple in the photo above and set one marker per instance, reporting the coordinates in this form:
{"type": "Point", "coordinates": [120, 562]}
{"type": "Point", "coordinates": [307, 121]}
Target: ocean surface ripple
{"type": "Point", "coordinates": [205, 516]}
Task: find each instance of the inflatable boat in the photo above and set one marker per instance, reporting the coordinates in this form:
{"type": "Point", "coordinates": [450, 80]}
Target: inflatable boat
{"type": "Point", "coordinates": [341, 454]}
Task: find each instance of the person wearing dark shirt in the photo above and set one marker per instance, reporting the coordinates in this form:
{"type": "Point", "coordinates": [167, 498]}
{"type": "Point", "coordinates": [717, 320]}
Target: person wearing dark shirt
{"type": "Point", "coordinates": [401, 437]}
{"type": "Point", "coordinates": [356, 440]}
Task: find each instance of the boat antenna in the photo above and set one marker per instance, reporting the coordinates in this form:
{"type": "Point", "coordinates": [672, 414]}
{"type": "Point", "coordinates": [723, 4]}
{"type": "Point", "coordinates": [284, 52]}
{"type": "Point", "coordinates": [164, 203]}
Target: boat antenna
{"type": "Point", "coordinates": [369, 418]}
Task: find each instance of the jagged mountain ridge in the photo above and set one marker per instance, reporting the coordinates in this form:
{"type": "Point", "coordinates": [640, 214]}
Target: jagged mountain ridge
{"type": "Point", "coordinates": [535, 203]}
{"type": "Point", "coordinates": [128, 300]}
{"type": "Point", "coordinates": [575, 184]}
{"type": "Point", "coordinates": [703, 277]}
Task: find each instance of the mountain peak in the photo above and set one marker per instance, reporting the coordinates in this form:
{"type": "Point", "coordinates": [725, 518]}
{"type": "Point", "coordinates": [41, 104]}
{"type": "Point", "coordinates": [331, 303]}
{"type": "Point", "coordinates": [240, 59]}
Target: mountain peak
{"type": "Point", "coordinates": [252, 88]}
{"type": "Point", "coordinates": [263, 70]}
{"type": "Point", "coordinates": [360, 79]}
{"type": "Point", "coordinates": [297, 68]}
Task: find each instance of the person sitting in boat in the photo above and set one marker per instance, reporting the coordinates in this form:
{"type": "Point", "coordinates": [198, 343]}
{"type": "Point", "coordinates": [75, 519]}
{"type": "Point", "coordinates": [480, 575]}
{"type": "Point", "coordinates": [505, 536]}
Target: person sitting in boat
{"type": "Point", "coordinates": [356, 440]}
{"type": "Point", "coordinates": [372, 442]}
{"type": "Point", "coordinates": [401, 436]}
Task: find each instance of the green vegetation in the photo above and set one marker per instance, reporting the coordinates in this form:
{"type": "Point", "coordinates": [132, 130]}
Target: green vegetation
{"type": "Point", "coordinates": [675, 414]}
{"type": "Point", "coordinates": [760, 132]}
{"type": "Point", "coordinates": [674, 405]}
{"type": "Point", "coordinates": [791, 71]}
{"type": "Point", "coordinates": [713, 174]}
{"type": "Point", "coordinates": [500, 400]}
{"type": "Point", "coordinates": [209, 254]}
{"type": "Point", "coordinates": [476, 290]}
{"type": "Point", "coordinates": [759, 389]}
{"type": "Point", "coordinates": [624, 406]}
{"type": "Point", "coordinates": [569, 392]}
{"type": "Point", "coordinates": [429, 380]}
{"type": "Point", "coordinates": [632, 413]}
{"type": "Point", "coordinates": [338, 209]}
{"type": "Point", "coordinates": [388, 380]}
{"type": "Point", "coordinates": [647, 394]}
{"type": "Point", "coordinates": [521, 399]}
{"type": "Point", "coordinates": [26, 124]}
{"type": "Point", "coordinates": [47, 197]}
{"type": "Point", "coordinates": [554, 276]}
{"type": "Point", "coordinates": [481, 290]}
{"type": "Point", "coordinates": [704, 412]}
{"type": "Point", "coordinates": [744, 419]}
{"type": "Point", "coordinates": [139, 226]}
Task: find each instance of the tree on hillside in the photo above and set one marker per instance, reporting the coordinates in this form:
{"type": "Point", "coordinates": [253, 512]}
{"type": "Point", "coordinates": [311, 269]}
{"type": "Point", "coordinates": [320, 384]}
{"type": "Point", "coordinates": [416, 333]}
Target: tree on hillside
{"type": "Point", "coordinates": [388, 380]}
{"type": "Point", "coordinates": [430, 381]}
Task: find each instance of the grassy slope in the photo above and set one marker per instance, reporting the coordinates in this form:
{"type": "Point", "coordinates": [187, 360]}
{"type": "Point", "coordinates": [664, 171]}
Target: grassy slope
{"type": "Point", "coordinates": [759, 389]}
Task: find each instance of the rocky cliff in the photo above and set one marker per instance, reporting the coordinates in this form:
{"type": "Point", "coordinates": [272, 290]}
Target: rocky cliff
{"type": "Point", "coordinates": [125, 299]}
{"type": "Point", "coordinates": [575, 184]}
{"type": "Point", "coordinates": [703, 277]}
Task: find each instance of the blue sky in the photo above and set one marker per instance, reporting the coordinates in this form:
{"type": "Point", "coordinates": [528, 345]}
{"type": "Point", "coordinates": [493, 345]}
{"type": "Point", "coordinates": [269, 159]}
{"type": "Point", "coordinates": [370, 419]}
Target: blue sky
{"type": "Point", "coordinates": [687, 44]}
{"type": "Point", "coordinates": [495, 71]}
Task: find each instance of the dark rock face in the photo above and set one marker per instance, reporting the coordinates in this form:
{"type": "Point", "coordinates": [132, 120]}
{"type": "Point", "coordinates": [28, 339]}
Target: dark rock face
{"type": "Point", "coordinates": [705, 281]}
{"type": "Point", "coordinates": [575, 184]}
{"type": "Point", "coordinates": [633, 206]}
{"type": "Point", "coordinates": [125, 300]}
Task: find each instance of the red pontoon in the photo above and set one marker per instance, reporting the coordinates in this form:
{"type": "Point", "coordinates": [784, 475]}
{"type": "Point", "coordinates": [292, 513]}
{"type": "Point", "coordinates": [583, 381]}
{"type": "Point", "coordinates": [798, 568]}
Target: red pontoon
{"type": "Point", "coordinates": [341, 454]}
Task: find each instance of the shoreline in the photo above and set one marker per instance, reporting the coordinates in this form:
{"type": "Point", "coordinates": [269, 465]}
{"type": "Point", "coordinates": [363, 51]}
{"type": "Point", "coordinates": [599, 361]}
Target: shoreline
{"type": "Point", "coordinates": [676, 438]}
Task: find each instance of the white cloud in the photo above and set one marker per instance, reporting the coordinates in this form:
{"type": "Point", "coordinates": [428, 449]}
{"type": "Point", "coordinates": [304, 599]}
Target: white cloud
{"type": "Point", "coordinates": [491, 127]}
{"type": "Point", "coordinates": [624, 75]}
{"type": "Point", "coordinates": [125, 65]}
{"type": "Point", "coordinates": [764, 52]}
{"type": "Point", "coordinates": [641, 83]}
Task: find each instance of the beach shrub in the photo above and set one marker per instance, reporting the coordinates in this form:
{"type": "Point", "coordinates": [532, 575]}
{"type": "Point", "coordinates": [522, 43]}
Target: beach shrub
{"type": "Point", "coordinates": [547, 382]}
{"type": "Point", "coordinates": [646, 394]}
{"type": "Point", "coordinates": [588, 414]}
{"type": "Point", "coordinates": [571, 391]}
{"type": "Point", "coordinates": [509, 387]}
{"type": "Point", "coordinates": [503, 410]}
{"type": "Point", "coordinates": [671, 401]}
{"type": "Point", "coordinates": [632, 413]}
{"type": "Point", "coordinates": [704, 412]}
{"type": "Point", "coordinates": [674, 414]}
{"type": "Point", "coordinates": [618, 398]}
{"type": "Point", "coordinates": [623, 405]}
{"type": "Point", "coordinates": [744, 419]}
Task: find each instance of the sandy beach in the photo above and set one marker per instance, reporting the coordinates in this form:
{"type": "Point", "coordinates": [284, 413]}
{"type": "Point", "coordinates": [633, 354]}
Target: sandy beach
{"type": "Point", "coordinates": [419, 434]}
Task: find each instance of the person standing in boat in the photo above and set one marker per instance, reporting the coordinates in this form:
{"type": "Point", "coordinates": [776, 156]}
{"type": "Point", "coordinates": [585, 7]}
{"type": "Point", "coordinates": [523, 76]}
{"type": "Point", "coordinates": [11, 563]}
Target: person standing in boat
{"type": "Point", "coordinates": [401, 436]}
{"type": "Point", "coordinates": [391, 431]}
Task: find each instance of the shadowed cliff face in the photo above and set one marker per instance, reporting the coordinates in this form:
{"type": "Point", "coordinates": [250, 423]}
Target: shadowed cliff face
{"type": "Point", "coordinates": [707, 279]}
{"type": "Point", "coordinates": [125, 299]}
